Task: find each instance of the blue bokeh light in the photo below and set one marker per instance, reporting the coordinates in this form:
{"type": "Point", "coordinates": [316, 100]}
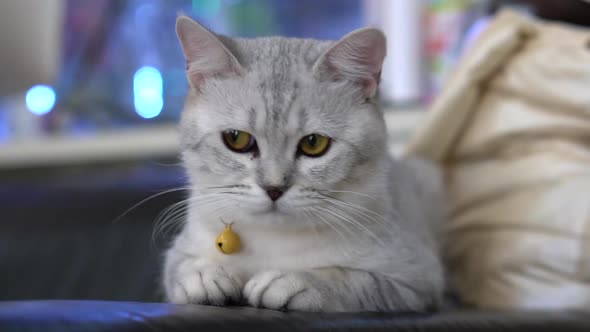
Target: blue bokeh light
{"type": "Point", "coordinates": [147, 92]}
{"type": "Point", "coordinates": [40, 99]}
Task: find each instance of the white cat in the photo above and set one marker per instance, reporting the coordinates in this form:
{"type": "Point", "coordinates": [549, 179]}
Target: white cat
{"type": "Point", "coordinates": [282, 138]}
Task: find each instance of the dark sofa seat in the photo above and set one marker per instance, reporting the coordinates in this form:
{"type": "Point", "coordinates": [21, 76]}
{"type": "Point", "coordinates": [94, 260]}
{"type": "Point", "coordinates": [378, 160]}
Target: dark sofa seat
{"type": "Point", "coordinates": [127, 316]}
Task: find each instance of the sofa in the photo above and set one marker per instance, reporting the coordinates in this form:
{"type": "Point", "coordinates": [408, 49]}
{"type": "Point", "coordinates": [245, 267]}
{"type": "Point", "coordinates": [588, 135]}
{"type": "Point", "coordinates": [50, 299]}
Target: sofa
{"type": "Point", "coordinates": [70, 262]}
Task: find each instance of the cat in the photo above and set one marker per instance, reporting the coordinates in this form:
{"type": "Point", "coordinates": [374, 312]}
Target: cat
{"type": "Point", "coordinates": [282, 138]}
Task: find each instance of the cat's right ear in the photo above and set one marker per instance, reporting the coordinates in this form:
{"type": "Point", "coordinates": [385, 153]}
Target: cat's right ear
{"type": "Point", "coordinates": [357, 57]}
{"type": "Point", "coordinates": [205, 55]}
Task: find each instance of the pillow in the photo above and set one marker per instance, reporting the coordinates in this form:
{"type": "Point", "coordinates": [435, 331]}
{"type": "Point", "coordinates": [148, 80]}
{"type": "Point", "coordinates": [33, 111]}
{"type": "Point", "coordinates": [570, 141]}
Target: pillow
{"type": "Point", "coordinates": [512, 131]}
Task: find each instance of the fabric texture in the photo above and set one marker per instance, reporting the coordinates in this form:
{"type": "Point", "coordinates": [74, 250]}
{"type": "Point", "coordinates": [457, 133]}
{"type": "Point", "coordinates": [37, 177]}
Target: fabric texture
{"type": "Point", "coordinates": [48, 316]}
{"type": "Point", "coordinates": [512, 130]}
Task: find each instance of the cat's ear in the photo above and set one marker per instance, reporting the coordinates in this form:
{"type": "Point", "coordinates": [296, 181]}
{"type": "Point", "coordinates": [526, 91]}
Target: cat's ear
{"type": "Point", "coordinates": [357, 57]}
{"type": "Point", "coordinates": [205, 54]}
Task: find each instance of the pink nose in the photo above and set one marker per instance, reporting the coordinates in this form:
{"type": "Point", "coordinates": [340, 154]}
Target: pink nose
{"type": "Point", "coordinates": [274, 193]}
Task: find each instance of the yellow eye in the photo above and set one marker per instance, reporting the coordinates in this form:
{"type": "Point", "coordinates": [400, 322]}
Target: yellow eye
{"type": "Point", "coordinates": [238, 141]}
{"type": "Point", "coordinates": [314, 145]}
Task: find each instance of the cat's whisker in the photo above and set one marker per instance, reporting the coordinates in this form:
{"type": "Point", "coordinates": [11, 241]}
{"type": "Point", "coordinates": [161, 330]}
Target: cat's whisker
{"type": "Point", "coordinates": [173, 215]}
{"type": "Point", "coordinates": [170, 226]}
{"type": "Point", "coordinates": [215, 206]}
{"type": "Point", "coordinates": [335, 225]}
{"type": "Point", "coordinates": [350, 207]}
{"type": "Point", "coordinates": [207, 200]}
{"type": "Point", "coordinates": [176, 216]}
{"type": "Point", "coordinates": [357, 212]}
{"type": "Point", "coordinates": [335, 221]}
{"type": "Point", "coordinates": [347, 210]}
{"type": "Point", "coordinates": [308, 217]}
{"type": "Point", "coordinates": [145, 200]}
{"type": "Point", "coordinates": [351, 221]}
{"type": "Point", "coordinates": [227, 186]}
{"type": "Point", "coordinates": [347, 192]}
{"type": "Point", "coordinates": [354, 206]}
{"type": "Point", "coordinates": [163, 229]}
{"type": "Point", "coordinates": [197, 199]}
{"type": "Point", "coordinates": [148, 199]}
{"type": "Point", "coordinates": [168, 217]}
{"type": "Point", "coordinates": [219, 205]}
{"type": "Point", "coordinates": [162, 219]}
{"type": "Point", "coordinates": [170, 209]}
{"type": "Point", "coordinates": [200, 201]}
{"type": "Point", "coordinates": [322, 218]}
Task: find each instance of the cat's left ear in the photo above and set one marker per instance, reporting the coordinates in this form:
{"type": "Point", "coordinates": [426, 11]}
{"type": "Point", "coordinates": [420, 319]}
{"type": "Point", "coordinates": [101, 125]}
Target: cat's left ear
{"type": "Point", "coordinates": [357, 57]}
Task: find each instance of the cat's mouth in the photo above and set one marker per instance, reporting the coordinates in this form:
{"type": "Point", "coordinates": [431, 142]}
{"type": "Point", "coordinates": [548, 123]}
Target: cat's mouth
{"type": "Point", "coordinates": [271, 209]}
{"type": "Point", "coordinates": [274, 208]}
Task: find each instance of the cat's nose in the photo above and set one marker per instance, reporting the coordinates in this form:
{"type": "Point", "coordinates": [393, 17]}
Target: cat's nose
{"type": "Point", "coordinates": [274, 192]}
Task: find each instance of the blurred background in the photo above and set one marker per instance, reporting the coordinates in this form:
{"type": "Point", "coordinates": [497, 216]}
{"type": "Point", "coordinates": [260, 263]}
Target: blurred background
{"type": "Point", "coordinates": [91, 90]}
{"type": "Point", "coordinates": [88, 80]}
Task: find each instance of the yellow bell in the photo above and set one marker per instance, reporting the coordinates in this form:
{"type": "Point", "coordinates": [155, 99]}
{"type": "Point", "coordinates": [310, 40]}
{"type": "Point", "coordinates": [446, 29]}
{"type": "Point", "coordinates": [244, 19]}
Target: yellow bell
{"type": "Point", "coordinates": [228, 242]}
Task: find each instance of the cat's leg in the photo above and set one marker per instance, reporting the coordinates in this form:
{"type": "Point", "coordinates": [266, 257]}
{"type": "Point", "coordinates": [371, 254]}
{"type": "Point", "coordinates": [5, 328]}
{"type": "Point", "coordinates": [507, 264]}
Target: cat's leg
{"type": "Point", "coordinates": [190, 279]}
{"type": "Point", "coordinates": [342, 290]}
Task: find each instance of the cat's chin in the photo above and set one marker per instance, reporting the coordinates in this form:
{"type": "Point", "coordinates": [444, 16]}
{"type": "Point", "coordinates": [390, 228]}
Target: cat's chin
{"type": "Point", "coordinates": [271, 210]}
{"type": "Point", "coordinates": [263, 218]}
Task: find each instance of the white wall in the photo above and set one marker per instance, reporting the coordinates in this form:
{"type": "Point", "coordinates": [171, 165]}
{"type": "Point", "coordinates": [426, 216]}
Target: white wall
{"type": "Point", "coordinates": [30, 43]}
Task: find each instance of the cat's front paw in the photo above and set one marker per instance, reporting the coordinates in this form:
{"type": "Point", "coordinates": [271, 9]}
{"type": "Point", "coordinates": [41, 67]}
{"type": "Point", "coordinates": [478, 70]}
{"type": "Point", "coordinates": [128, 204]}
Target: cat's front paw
{"type": "Point", "coordinates": [283, 291]}
{"type": "Point", "coordinates": [208, 285]}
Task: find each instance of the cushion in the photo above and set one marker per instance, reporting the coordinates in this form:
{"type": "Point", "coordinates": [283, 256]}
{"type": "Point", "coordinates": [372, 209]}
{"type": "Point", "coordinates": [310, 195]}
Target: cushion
{"type": "Point", "coordinates": [512, 131]}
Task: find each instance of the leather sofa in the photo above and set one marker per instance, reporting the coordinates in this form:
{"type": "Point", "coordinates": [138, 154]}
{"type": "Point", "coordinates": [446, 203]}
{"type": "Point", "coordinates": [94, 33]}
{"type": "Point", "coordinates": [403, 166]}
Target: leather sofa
{"type": "Point", "coordinates": [68, 264]}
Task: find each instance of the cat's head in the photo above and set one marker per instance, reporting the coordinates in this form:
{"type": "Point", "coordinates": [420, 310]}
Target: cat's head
{"type": "Point", "coordinates": [270, 125]}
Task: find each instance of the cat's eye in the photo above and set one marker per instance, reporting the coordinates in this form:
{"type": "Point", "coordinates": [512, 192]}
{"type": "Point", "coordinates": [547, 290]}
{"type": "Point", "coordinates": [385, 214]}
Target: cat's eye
{"type": "Point", "coordinates": [239, 141]}
{"type": "Point", "coordinates": [314, 145]}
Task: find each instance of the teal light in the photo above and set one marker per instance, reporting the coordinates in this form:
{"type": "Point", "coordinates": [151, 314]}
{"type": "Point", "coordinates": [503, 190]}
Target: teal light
{"type": "Point", "coordinates": [206, 8]}
{"type": "Point", "coordinates": [40, 99]}
{"type": "Point", "coordinates": [148, 92]}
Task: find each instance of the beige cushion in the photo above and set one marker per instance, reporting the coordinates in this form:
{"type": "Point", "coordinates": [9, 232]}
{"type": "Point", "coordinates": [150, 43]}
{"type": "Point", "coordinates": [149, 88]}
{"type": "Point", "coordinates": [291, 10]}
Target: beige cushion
{"type": "Point", "coordinates": [512, 130]}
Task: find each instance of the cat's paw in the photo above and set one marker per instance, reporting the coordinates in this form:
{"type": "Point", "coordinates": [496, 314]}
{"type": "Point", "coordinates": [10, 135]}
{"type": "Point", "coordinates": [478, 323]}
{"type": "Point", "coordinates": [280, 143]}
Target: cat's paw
{"type": "Point", "coordinates": [208, 285]}
{"type": "Point", "coordinates": [283, 291]}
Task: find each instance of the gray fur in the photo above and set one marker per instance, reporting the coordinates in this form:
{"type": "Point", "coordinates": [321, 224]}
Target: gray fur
{"type": "Point", "coordinates": [355, 230]}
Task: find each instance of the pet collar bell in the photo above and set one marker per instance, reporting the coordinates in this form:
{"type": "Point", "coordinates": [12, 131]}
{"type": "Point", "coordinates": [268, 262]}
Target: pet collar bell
{"type": "Point", "coordinates": [228, 242]}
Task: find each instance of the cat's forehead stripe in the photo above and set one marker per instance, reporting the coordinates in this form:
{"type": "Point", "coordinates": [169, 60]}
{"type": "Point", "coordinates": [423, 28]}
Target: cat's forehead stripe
{"type": "Point", "coordinates": [252, 118]}
{"type": "Point", "coordinates": [302, 119]}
